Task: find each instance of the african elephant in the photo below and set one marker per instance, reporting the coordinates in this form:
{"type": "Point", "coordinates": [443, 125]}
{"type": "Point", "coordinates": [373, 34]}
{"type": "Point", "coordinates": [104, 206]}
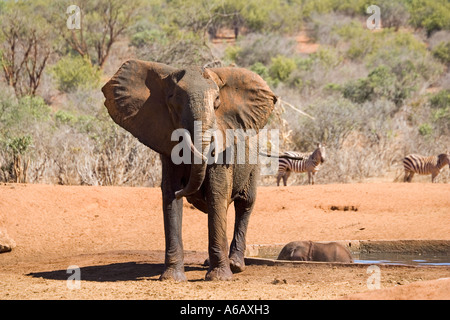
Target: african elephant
{"type": "Point", "coordinates": [315, 251]}
{"type": "Point", "coordinates": [153, 101]}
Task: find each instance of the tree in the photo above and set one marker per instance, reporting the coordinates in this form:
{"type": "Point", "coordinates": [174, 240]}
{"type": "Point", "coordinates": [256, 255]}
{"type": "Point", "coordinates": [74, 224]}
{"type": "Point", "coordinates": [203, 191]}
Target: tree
{"type": "Point", "coordinates": [394, 14]}
{"type": "Point", "coordinates": [19, 146]}
{"type": "Point", "coordinates": [25, 47]}
{"type": "Point", "coordinates": [103, 22]}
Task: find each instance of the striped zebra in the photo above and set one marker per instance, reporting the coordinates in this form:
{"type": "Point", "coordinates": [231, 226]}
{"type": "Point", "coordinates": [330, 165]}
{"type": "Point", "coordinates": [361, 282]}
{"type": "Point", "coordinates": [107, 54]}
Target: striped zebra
{"type": "Point", "coordinates": [414, 163]}
{"type": "Point", "coordinates": [310, 164]}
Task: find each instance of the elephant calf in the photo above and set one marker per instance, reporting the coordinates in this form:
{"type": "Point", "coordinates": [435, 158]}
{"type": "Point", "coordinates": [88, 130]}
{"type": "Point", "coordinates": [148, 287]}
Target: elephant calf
{"type": "Point", "coordinates": [315, 251]}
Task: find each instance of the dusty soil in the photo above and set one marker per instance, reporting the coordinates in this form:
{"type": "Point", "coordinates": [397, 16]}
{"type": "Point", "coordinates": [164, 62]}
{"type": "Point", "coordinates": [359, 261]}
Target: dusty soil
{"type": "Point", "coordinates": [115, 236]}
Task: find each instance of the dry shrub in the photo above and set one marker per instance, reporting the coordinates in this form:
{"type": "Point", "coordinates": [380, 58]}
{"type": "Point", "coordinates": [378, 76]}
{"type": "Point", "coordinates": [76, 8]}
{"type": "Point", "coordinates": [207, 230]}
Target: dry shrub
{"type": "Point", "coordinates": [79, 145]}
{"type": "Point", "coordinates": [124, 161]}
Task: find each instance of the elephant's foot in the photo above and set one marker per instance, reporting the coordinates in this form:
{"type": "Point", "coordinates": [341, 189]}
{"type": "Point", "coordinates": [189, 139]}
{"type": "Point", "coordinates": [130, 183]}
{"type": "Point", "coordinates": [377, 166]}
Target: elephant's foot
{"type": "Point", "coordinates": [174, 274]}
{"type": "Point", "coordinates": [237, 263]}
{"type": "Point", "coordinates": [219, 274]}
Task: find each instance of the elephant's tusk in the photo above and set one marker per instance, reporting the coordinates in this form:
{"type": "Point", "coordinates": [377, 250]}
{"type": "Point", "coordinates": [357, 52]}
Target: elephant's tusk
{"type": "Point", "coordinates": [187, 139]}
{"type": "Point", "coordinates": [216, 147]}
{"type": "Point", "coordinates": [198, 175]}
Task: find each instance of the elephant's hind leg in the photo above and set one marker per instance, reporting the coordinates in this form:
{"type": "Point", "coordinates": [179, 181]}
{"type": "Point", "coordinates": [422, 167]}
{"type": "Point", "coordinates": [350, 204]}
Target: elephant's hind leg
{"type": "Point", "coordinates": [238, 245]}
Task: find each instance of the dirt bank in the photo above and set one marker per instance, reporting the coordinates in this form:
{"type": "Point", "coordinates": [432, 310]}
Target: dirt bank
{"type": "Point", "coordinates": [115, 235]}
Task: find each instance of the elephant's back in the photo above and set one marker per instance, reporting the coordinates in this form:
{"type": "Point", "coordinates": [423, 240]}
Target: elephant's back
{"type": "Point", "coordinates": [295, 250]}
{"type": "Point", "coordinates": [331, 252]}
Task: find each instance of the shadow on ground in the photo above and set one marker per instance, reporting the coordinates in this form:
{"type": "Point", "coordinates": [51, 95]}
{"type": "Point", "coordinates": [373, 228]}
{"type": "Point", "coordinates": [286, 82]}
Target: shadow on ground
{"type": "Point", "coordinates": [128, 271]}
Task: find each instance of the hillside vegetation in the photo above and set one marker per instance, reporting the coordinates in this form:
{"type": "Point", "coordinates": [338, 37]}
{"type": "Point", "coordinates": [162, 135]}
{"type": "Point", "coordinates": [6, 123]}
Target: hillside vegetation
{"type": "Point", "coordinates": [375, 95]}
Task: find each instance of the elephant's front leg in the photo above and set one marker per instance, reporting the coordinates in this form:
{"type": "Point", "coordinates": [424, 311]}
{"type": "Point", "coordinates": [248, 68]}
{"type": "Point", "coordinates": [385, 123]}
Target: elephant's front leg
{"type": "Point", "coordinates": [243, 206]}
{"type": "Point", "coordinates": [219, 263]}
{"type": "Point", "coordinates": [173, 212]}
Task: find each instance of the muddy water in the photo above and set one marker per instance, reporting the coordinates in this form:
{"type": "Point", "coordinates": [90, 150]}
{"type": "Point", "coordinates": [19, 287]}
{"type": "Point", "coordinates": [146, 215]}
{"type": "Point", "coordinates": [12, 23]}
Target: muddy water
{"type": "Point", "coordinates": [408, 259]}
{"type": "Point", "coordinates": [423, 259]}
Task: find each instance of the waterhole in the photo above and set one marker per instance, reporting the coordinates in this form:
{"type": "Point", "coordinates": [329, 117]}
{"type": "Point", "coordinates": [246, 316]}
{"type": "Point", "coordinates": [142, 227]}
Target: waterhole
{"type": "Point", "coordinates": [425, 259]}
{"type": "Point", "coordinates": [400, 252]}
{"type": "Point", "coordinates": [391, 258]}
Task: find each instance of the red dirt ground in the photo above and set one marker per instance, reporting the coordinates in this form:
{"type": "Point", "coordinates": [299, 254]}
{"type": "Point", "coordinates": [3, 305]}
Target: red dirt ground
{"type": "Point", "coordinates": [115, 235]}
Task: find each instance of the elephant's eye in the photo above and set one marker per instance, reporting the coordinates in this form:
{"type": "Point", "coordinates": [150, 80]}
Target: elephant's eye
{"type": "Point", "coordinates": [217, 102]}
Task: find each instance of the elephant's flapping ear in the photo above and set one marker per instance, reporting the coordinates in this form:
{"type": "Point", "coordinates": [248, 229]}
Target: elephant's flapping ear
{"type": "Point", "coordinates": [136, 100]}
{"type": "Point", "coordinates": [246, 100]}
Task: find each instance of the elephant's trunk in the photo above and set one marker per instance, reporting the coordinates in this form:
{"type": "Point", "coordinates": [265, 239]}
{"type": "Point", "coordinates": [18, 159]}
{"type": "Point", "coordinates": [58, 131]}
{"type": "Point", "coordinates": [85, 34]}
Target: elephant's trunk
{"type": "Point", "coordinates": [198, 168]}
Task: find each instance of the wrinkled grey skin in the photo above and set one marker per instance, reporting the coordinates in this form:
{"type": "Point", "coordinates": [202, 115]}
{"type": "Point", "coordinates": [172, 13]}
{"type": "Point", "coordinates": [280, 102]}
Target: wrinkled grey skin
{"type": "Point", "coordinates": [315, 251]}
{"type": "Point", "coordinates": [151, 100]}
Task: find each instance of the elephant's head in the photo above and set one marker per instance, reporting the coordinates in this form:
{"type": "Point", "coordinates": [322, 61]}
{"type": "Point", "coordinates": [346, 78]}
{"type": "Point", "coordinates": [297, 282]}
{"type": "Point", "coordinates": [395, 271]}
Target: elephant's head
{"type": "Point", "coordinates": [151, 100]}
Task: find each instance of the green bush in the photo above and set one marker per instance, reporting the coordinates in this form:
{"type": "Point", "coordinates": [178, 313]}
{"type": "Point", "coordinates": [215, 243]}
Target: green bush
{"type": "Point", "coordinates": [24, 123]}
{"type": "Point", "coordinates": [317, 6]}
{"type": "Point", "coordinates": [440, 100]}
{"type": "Point", "coordinates": [267, 15]}
{"type": "Point", "coordinates": [349, 31]}
{"type": "Point", "coordinates": [65, 117]}
{"type": "Point", "coordinates": [232, 53]}
{"type": "Point", "coordinates": [383, 47]}
{"type": "Point", "coordinates": [351, 7]}
{"type": "Point", "coordinates": [395, 83]}
{"type": "Point", "coordinates": [425, 129]}
{"type": "Point", "coordinates": [263, 71]}
{"type": "Point", "coordinates": [442, 51]}
{"type": "Point", "coordinates": [327, 57]}
{"type": "Point", "coordinates": [145, 37]}
{"type": "Point", "coordinates": [358, 49]}
{"type": "Point", "coordinates": [305, 64]}
{"type": "Point", "coordinates": [86, 124]}
{"type": "Point", "coordinates": [433, 15]}
{"type": "Point", "coordinates": [256, 15]}
{"type": "Point", "coordinates": [390, 48]}
{"type": "Point", "coordinates": [281, 68]}
{"type": "Point", "coordinates": [20, 145]}
{"type": "Point", "coordinates": [357, 91]}
{"type": "Point", "coordinates": [440, 105]}
{"type": "Point", "coordinates": [72, 73]}
{"type": "Point", "coordinates": [7, 103]}
{"type": "Point", "coordinates": [380, 82]}
{"type": "Point", "coordinates": [442, 116]}
{"type": "Point", "coordinates": [332, 87]}
{"type": "Point", "coordinates": [22, 113]}
{"type": "Point", "coordinates": [34, 107]}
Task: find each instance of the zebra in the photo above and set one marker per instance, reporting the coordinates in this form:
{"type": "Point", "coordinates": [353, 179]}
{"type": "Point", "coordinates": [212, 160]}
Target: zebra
{"type": "Point", "coordinates": [414, 163]}
{"type": "Point", "coordinates": [310, 164]}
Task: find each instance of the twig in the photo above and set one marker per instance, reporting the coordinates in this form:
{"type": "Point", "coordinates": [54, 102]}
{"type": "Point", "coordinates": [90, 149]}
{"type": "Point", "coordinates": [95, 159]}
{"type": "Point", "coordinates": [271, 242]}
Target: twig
{"type": "Point", "coordinates": [298, 110]}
